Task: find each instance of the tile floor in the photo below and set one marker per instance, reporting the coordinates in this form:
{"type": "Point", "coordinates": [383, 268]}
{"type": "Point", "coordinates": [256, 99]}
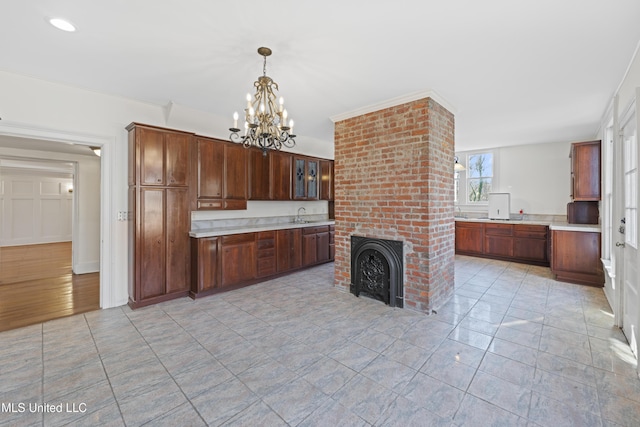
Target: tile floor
{"type": "Point", "coordinates": [512, 348]}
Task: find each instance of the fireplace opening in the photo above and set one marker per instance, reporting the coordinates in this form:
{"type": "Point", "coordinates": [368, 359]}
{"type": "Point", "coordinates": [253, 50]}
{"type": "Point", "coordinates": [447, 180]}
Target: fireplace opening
{"type": "Point", "coordinates": [376, 269]}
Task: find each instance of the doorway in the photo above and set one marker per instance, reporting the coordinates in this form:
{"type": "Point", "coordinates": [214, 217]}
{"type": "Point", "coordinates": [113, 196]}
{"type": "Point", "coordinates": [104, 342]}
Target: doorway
{"type": "Point", "coordinates": [43, 275]}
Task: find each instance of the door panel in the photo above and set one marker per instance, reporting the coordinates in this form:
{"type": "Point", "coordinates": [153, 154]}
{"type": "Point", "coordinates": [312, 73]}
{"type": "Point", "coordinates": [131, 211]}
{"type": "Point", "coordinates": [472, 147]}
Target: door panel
{"type": "Point", "coordinates": [631, 300]}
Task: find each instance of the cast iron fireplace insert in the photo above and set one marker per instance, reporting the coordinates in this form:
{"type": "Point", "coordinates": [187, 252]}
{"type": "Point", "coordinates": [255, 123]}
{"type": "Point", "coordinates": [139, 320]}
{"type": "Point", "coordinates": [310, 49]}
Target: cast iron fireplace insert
{"type": "Point", "coordinates": [376, 269]}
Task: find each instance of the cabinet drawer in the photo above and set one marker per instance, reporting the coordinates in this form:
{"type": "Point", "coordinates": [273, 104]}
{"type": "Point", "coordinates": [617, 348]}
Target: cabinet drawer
{"type": "Point", "coordinates": [266, 266]}
{"type": "Point", "coordinates": [498, 229]}
{"type": "Point", "coordinates": [238, 238]}
{"type": "Point", "coordinates": [530, 231]}
{"type": "Point", "coordinates": [314, 230]}
{"type": "Point", "coordinates": [235, 204]}
{"type": "Point", "coordinates": [266, 253]}
{"type": "Point", "coordinates": [209, 204]}
{"type": "Point", "coordinates": [262, 235]}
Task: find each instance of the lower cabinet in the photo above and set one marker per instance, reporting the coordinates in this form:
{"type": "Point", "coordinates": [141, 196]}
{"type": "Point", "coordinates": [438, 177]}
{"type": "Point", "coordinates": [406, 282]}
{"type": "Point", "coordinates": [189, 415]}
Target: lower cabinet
{"type": "Point", "coordinates": [288, 249]}
{"type": "Point", "coordinates": [205, 270]}
{"type": "Point", "coordinates": [159, 245]}
{"type": "Point", "coordinates": [238, 259]}
{"type": "Point", "coordinates": [524, 243]}
{"type": "Point", "coordinates": [266, 242]}
{"type": "Point", "coordinates": [228, 262]}
{"type": "Point", "coordinates": [576, 257]}
{"type": "Point", "coordinates": [315, 245]}
{"type": "Point", "coordinates": [498, 240]}
{"type": "Point", "coordinates": [469, 238]}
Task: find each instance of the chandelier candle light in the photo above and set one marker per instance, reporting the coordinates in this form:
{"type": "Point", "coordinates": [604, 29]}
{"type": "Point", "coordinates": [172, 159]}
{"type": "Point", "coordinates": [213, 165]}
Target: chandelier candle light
{"type": "Point", "coordinates": [265, 120]}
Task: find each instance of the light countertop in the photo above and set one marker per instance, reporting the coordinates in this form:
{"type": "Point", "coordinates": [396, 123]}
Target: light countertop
{"type": "Point", "coordinates": [239, 229]}
{"type": "Point", "coordinates": [553, 225]}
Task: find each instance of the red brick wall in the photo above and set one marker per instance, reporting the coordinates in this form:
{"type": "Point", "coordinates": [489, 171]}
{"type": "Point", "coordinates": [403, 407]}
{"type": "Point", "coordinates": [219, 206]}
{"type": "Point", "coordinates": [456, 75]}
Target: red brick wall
{"type": "Point", "coordinates": [394, 180]}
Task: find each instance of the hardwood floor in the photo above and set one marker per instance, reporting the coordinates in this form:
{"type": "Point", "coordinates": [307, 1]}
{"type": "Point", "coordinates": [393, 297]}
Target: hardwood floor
{"type": "Point", "coordinates": [37, 284]}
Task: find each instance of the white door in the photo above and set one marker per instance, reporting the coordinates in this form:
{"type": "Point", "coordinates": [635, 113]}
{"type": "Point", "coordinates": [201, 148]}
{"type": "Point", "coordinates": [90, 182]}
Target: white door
{"type": "Point", "coordinates": [630, 276]}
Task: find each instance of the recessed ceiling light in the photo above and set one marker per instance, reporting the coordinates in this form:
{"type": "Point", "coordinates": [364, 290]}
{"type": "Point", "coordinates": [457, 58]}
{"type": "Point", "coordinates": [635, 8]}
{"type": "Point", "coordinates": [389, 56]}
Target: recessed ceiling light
{"type": "Point", "coordinates": [62, 24]}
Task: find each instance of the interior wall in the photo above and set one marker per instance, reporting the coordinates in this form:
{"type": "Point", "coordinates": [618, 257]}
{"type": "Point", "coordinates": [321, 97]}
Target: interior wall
{"type": "Point", "coordinates": [538, 176]}
{"type": "Point", "coordinates": [36, 206]}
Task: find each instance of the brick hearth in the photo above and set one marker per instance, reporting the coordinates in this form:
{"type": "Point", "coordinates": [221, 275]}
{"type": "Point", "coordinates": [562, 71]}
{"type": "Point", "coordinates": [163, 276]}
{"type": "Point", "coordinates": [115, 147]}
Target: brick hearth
{"type": "Point", "coordinates": [394, 180]}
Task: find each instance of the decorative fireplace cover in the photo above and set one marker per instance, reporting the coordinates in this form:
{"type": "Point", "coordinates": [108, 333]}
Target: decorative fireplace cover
{"type": "Point", "coordinates": [376, 269]}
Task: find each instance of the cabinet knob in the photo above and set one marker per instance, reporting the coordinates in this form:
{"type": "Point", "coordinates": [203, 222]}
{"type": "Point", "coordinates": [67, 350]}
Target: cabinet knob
{"type": "Point", "coordinates": [158, 180]}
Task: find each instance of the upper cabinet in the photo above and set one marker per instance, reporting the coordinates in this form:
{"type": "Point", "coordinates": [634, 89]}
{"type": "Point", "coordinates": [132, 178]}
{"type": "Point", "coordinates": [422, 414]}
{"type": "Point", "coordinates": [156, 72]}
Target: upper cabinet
{"type": "Point", "coordinates": [220, 175]}
{"type": "Point", "coordinates": [326, 179]}
{"type": "Point", "coordinates": [305, 178]}
{"type": "Point", "coordinates": [281, 180]}
{"type": "Point", "coordinates": [159, 156]}
{"type": "Point", "coordinates": [585, 171]}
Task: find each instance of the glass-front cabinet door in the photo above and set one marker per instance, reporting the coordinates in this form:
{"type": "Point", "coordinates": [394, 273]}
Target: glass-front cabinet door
{"type": "Point", "coordinates": [312, 179]}
{"type": "Point", "coordinates": [306, 179]}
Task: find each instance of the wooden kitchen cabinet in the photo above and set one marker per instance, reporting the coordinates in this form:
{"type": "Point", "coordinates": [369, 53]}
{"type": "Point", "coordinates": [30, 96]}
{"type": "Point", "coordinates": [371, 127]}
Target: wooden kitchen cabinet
{"type": "Point", "coordinates": [305, 178]}
{"type": "Point", "coordinates": [259, 175]}
{"type": "Point", "coordinates": [530, 242]}
{"type": "Point", "coordinates": [526, 243]}
{"type": "Point", "coordinates": [220, 175]}
{"type": "Point", "coordinates": [315, 245]}
{"type": "Point", "coordinates": [288, 249]}
{"type": "Point", "coordinates": [266, 243]}
{"type": "Point", "coordinates": [585, 171]}
{"type": "Point", "coordinates": [238, 259]}
{"type": "Point", "coordinates": [332, 242]}
{"type": "Point", "coordinates": [157, 156]}
{"type": "Point", "coordinates": [235, 173]}
{"type": "Point", "coordinates": [281, 178]}
{"type": "Point", "coordinates": [576, 257]}
{"type": "Point", "coordinates": [159, 202]}
{"type": "Point", "coordinates": [160, 243]}
{"type": "Point", "coordinates": [469, 238]}
{"type": "Point", "coordinates": [498, 240]}
{"type": "Point", "coordinates": [205, 269]}
{"type": "Point", "coordinates": [326, 180]}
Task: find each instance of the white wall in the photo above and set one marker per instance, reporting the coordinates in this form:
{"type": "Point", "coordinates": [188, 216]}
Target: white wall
{"type": "Point", "coordinates": [44, 110]}
{"type": "Point", "coordinates": [35, 206]}
{"type": "Point", "coordinates": [538, 176]}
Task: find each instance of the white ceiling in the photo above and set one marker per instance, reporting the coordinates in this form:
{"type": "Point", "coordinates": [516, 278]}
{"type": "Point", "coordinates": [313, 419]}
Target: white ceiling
{"type": "Point", "coordinates": [516, 72]}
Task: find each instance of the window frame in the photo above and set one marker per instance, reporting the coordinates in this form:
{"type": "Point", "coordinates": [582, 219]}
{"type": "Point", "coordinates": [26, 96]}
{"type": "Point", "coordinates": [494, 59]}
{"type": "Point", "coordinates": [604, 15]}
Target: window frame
{"type": "Point", "coordinates": [462, 197]}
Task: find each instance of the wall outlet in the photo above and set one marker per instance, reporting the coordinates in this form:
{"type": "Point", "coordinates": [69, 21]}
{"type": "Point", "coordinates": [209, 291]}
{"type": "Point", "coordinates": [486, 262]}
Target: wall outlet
{"type": "Point", "coordinates": [123, 215]}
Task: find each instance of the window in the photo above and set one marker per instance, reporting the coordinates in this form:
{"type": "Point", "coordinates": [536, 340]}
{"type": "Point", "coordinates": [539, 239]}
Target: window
{"type": "Point", "coordinates": [479, 177]}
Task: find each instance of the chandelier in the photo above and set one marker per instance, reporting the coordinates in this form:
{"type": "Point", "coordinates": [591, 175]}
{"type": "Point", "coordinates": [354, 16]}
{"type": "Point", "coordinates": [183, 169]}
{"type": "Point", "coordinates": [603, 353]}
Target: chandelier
{"type": "Point", "coordinates": [265, 120]}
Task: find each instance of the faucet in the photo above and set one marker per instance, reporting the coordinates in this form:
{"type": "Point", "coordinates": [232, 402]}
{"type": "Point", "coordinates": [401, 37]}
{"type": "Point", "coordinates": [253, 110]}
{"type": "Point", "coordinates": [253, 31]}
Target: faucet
{"type": "Point", "coordinates": [298, 219]}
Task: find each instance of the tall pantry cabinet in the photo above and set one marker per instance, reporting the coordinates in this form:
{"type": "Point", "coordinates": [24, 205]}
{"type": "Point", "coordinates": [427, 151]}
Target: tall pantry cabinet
{"type": "Point", "coordinates": [159, 203]}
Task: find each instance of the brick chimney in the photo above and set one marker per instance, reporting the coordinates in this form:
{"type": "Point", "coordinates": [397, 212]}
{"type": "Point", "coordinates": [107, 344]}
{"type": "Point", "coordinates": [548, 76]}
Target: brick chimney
{"type": "Point", "coordinates": [394, 180]}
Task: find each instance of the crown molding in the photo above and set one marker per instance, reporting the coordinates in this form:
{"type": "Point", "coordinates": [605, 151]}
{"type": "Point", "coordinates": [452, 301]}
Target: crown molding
{"type": "Point", "coordinates": [393, 102]}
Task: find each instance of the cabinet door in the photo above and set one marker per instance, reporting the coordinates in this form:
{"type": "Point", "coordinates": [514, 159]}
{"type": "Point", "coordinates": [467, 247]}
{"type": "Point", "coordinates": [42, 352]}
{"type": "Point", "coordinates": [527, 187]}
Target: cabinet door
{"type": "Point", "coordinates": [259, 175]}
{"type": "Point", "coordinates": [469, 238]}
{"type": "Point", "coordinates": [151, 146]}
{"type": "Point", "coordinates": [204, 274]}
{"type": "Point", "coordinates": [177, 232]}
{"type": "Point", "coordinates": [312, 179]}
{"type": "Point", "coordinates": [151, 256]}
{"type": "Point", "coordinates": [295, 249]}
{"type": "Point", "coordinates": [283, 248]}
{"type": "Point", "coordinates": [238, 263]}
{"type": "Point", "coordinates": [530, 249]}
{"type": "Point", "coordinates": [177, 158]}
{"type": "Point", "coordinates": [235, 172]}
{"type": "Point", "coordinates": [498, 245]}
{"type": "Point", "coordinates": [309, 249]}
{"type": "Point", "coordinates": [326, 180]}
{"type": "Point", "coordinates": [322, 243]}
{"type": "Point", "coordinates": [281, 175]}
{"type": "Point", "coordinates": [299, 178]}
{"type": "Point", "coordinates": [585, 162]}
{"type": "Point", "coordinates": [210, 169]}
